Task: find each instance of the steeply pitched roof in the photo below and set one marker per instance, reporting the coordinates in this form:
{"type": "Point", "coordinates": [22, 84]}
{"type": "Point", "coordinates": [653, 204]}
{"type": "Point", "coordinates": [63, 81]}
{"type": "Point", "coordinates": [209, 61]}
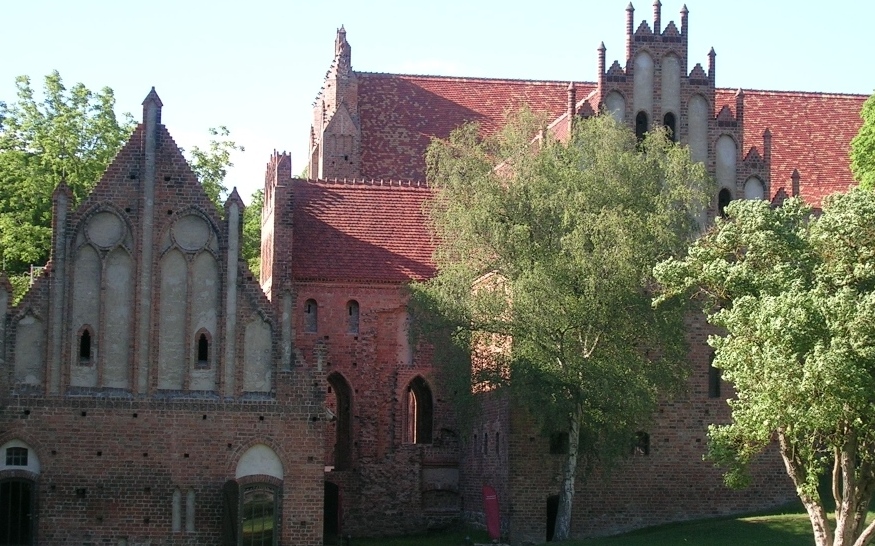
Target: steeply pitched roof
{"type": "Point", "coordinates": [361, 231]}
{"type": "Point", "coordinates": [811, 132]}
{"type": "Point", "coordinates": [401, 113]}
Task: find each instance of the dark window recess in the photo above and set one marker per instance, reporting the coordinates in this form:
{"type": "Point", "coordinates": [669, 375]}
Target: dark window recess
{"type": "Point", "coordinates": [723, 199]}
{"type": "Point", "coordinates": [641, 444]}
{"type": "Point", "coordinates": [311, 310]}
{"type": "Point", "coordinates": [485, 443]}
{"type": "Point", "coordinates": [203, 351]}
{"type": "Point", "coordinates": [420, 415]}
{"type": "Point", "coordinates": [714, 377]}
{"type": "Point", "coordinates": [352, 309]}
{"type": "Point", "coordinates": [85, 347]}
{"type": "Point", "coordinates": [16, 512]}
{"type": "Point", "coordinates": [670, 124]}
{"type": "Point", "coordinates": [642, 125]}
{"type": "Point", "coordinates": [16, 456]}
{"type": "Point", "coordinates": [559, 443]}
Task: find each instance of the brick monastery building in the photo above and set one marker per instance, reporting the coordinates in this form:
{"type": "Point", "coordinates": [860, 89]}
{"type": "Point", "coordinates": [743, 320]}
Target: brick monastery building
{"type": "Point", "coordinates": [154, 392]}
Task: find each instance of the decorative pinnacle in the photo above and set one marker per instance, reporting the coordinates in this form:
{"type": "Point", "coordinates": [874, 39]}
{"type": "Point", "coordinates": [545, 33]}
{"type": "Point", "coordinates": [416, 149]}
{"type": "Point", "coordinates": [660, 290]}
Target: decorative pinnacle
{"type": "Point", "coordinates": [712, 53]}
{"type": "Point", "coordinates": [630, 7]}
{"type": "Point", "coordinates": [602, 47]}
{"type": "Point", "coordinates": [153, 97]}
{"type": "Point", "coordinates": [684, 10]}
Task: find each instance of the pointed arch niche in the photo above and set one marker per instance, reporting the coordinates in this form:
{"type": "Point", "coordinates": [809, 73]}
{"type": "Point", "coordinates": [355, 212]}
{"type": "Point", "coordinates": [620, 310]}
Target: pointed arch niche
{"type": "Point", "coordinates": [420, 412]}
{"type": "Point", "coordinates": [338, 435]}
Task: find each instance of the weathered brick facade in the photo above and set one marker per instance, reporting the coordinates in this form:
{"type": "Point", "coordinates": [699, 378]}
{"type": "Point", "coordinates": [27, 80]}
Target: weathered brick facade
{"type": "Point", "coordinates": [153, 393]}
{"type": "Point", "coordinates": [144, 398]}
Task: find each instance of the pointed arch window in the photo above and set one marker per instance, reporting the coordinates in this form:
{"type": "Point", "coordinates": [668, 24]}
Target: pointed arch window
{"type": "Point", "coordinates": [352, 312]}
{"type": "Point", "coordinates": [86, 346]}
{"type": "Point", "coordinates": [723, 199]}
{"type": "Point", "coordinates": [311, 310]}
{"type": "Point", "coordinates": [670, 123]}
{"type": "Point", "coordinates": [203, 349]}
{"type": "Point", "coordinates": [420, 413]}
{"type": "Point", "coordinates": [714, 378]}
{"type": "Point", "coordinates": [642, 125]}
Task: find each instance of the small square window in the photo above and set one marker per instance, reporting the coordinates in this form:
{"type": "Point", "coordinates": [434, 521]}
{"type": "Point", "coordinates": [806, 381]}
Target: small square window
{"type": "Point", "coordinates": [16, 456]}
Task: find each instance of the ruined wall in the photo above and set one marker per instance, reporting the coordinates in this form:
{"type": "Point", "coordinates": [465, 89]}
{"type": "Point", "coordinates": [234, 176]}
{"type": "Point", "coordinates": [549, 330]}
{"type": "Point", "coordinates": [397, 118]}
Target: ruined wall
{"type": "Point", "coordinates": [388, 483]}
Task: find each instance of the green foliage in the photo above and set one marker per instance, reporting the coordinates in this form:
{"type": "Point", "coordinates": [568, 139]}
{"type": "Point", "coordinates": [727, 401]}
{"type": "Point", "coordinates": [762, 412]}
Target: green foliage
{"type": "Point", "coordinates": [70, 135]}
{"type": "Point", "coordinates": [795, 296]}
{"type": "Point", "coordinates": [251, 247]}
{"type": "Point", "coordinates": [544, 268]}
{"type": "Point", "coordinates": [211, 165]}
{"type": "Point", "coordinates": [863, 147]}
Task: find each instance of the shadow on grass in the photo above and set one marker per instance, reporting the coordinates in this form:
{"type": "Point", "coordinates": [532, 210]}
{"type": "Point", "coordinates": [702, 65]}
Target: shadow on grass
{"type": "Point", "coordinates": [780, 530]}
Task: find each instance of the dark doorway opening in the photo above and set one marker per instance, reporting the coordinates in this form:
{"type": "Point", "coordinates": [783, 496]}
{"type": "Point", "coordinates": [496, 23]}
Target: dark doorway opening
{"type": "Point", "coordinates": [331, 514]}
{"type": "Point", "coordinates": [16, 512]}
{"type": "Point", "coordinates": [723, 199]}
{"type": "Point", "coordinates": [552, 512]}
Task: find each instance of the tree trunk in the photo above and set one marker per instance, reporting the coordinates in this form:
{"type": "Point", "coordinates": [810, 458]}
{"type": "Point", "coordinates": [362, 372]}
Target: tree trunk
{"type": "Point", "coordinates": [823, 535]}
{"type": "Point", "coordinates": [569, 473]}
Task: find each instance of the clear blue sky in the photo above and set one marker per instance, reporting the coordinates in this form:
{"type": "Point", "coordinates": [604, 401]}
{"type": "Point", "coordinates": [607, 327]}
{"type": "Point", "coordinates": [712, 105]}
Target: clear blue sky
{"type": "Point", "coordinates": [257, 65]}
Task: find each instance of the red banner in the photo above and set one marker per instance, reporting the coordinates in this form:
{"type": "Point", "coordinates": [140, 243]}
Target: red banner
{"type": "Point", "coordinates": [490, 508]}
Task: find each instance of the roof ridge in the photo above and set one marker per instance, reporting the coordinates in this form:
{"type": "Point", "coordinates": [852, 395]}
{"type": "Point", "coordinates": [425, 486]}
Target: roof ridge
{"type": "Point", "coordinates": [748, 91]}
{"type": "Point", "coordinates": [473, 78]}
{"type": "Point", "coordinates": [363, 182]}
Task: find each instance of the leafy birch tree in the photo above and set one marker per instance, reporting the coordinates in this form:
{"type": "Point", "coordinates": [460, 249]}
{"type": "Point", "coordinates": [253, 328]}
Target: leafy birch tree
{"type": "Point", "coordinates": [863, 147]}
{"type": "Point", "coordinates": [794, 295]}
{"type": "Point", "coordinates": [545, 260]}
{"type": "Point", "coordinates": [71, 135]}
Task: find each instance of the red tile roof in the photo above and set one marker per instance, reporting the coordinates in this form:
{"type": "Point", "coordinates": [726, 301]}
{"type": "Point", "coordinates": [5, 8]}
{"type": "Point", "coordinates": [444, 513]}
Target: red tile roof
{"type": "Point", "coordinates": [811, 132]}
{"type": "Point", "coordinates": [361, 231]}
{"type": "Point", "coordinates": [400, 114]}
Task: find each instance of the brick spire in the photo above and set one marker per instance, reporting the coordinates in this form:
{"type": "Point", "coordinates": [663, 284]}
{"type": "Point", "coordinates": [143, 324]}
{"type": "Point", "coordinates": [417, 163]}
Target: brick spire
{"type": "Point", "coordinates": [657, 17]}
{"type": "Point", "coordinates": [630, 26]}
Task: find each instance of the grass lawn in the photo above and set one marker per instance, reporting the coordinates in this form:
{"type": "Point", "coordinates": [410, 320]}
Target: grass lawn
{"type": "Point", "coordinates": [790, 529]}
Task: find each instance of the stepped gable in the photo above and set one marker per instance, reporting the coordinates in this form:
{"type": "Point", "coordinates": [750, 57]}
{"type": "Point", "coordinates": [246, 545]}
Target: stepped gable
{"type": "Point", "coordinates": [400, 114]}
{"type": "Point", "coordinates": [810, 132]}
{"type": "Point", "coordinates": [364, 231]}
{"type": "Point", "coordinates": [176, 186]}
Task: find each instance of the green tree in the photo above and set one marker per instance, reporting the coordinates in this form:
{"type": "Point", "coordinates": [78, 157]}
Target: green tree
{"type": "Point", "coordinates": [544, 266]}
{"type": "Point", "coordinates": [211, 165]}
{"type": "Point", "coordinates": [793, 296]}
{"type": "Point", "coordinates": [70, 135]}
{"type": "Point", "coordinates": [251, 247]}
{"type": "Point", "coordinates": [863, 147]}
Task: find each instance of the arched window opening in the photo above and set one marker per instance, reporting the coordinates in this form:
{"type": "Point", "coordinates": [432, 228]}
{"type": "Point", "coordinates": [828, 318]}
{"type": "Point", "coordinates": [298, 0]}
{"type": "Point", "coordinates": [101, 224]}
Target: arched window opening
{"type": "Point", "coordinates": [176, 511]}
{"type": "Point", "coordinates": [342, 452]}
{"type": "Point", "coordinates": [642, 125]}
{"type": "Point", "coordinates": [485, 443]}
{"type": "Point", "coordinates": [723, 199]}
{"type": "Point", "coordinates": [714, 377]}
{"type": "Point", "coordinates": [352, 311]}
{"type": "Point", "coordinates": [641, 444]}
{"type": "Point", "coordinates": [85, 347]}
{"type": "Point", "coordinates": [203, 351]}
{"type": "Point", "coordinates": [16, 511]}
{"type": "Point", "coordinates": [189, 511]}
{"type": "Point", "coordinates": [420, 413]}
{"type": "Point", "coordinates": [258, 515]}
{"type": "Point", "coordinates": [669, 122]}
{"type": "Point", "coordinates": [310, 315]}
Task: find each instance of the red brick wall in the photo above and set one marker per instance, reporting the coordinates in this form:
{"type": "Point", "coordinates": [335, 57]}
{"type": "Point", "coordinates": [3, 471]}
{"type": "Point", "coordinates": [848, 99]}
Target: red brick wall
{"type": "Point", "coordinates": [383, 492]}
{"type": "Point", "coordinates": [129, 455]}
